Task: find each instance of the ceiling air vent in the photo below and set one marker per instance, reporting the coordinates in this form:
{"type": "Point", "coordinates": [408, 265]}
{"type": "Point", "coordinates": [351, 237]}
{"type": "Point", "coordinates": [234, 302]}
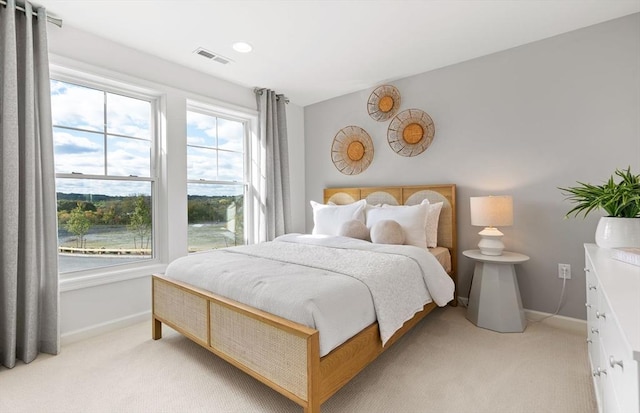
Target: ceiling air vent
{"type": "Point", "coordinates": [212, 56]}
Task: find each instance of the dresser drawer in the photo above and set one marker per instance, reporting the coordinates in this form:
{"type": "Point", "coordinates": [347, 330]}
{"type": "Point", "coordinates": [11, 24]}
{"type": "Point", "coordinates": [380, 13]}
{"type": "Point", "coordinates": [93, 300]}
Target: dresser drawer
{"type": "Point", "coordinates": [616, 358]}
{"type": "Point", "coordinates": [607, 400]}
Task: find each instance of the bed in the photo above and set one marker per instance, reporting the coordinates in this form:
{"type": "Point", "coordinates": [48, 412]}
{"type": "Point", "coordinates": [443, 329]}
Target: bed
{"type": "Point", "coordinates": [284, 354]}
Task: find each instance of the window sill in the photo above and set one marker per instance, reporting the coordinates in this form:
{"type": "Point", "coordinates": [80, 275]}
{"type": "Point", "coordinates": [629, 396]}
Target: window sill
{"type": "Point", "coordinates": [109, 275]}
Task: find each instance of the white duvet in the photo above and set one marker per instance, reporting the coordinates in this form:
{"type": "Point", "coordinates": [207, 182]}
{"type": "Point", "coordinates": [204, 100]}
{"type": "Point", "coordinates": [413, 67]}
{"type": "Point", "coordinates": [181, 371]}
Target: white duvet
{"type": "Point", "coordinates": [336, 285]}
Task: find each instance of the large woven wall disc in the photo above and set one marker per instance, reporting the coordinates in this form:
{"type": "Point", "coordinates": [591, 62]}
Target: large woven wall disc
{"type": "Point", "coordinates": [411, 132]}
{"type": "Point", "coordinates": [352, 150]}
{"type": "Point", "coordinates": [383, 103]}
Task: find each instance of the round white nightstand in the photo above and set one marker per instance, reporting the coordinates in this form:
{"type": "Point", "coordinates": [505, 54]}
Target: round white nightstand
{"type": "Point", "coordinates": [494, 300]}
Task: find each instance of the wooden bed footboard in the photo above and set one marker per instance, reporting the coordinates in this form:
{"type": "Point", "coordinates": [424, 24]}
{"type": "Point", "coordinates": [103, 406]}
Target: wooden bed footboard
{"type": "Point", "coordinates": [280, 353]}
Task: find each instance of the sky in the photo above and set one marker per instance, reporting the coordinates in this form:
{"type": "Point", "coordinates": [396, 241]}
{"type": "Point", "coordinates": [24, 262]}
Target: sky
{"type": "Point", "coordinates": [83, 118]}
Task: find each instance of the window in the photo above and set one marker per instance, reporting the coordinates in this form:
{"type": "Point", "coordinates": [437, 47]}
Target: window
{"type": "Point", "coordinates": [104, 146]}
{"type": "Point", "coordinates": [216, 179]}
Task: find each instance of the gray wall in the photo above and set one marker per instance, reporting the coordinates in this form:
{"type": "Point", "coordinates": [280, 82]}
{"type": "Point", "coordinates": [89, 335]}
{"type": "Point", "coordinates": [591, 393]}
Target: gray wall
{"type": "Point", "coordinates": [522, 122]}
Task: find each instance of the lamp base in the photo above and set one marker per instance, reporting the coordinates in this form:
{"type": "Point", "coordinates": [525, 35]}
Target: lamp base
{"type": "Point", "coordinates": [491, 242]}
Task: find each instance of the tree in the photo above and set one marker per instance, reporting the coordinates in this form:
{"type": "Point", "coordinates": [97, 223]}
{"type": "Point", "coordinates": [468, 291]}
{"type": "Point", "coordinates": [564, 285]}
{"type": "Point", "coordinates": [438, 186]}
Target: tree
{"type": "Point", "coordinates": [140, 222]}
{"type": "Point", "coordinates": [108, 215]}
{"type": "Point", "coordinates": [69, 205]}
{"type": "Point", "coordinates": [78, 224]}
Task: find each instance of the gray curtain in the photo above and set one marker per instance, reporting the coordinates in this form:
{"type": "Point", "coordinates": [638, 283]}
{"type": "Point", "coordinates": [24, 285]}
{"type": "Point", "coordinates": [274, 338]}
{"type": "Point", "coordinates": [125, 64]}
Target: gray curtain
{"type": "Point", "coordinates": [28, 223]}
{"type": "Point", "coordinates": [275, 215]}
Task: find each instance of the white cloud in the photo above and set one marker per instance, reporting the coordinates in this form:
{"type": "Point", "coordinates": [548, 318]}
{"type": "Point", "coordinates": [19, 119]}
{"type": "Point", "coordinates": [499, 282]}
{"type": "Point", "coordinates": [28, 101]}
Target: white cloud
{"type": "Point", "coordinates": [201, 164]}
{"type": "Point", "coordinates": [230, 135]}
{"type": "Point", "coordinates": [128, 116]}
{"type": "Point", "coordinates": [201, 129]}
{"type": "Point", "coordinates": [211, 164]}
{"type": "Point", "coordinates": [83, 108]}
{"type": "Point", "coordinates": [77, 106]}
{"type": "Point", "coordinates": [196, 140]}
{"type": "Point", "coordinates": [64, 140]}
{"type": "Point", "coordinates": [127, 157]}
{"type": "Point", "coordinates": [78, 152]}
{"type": "Point", "coordinates": [230, 166]}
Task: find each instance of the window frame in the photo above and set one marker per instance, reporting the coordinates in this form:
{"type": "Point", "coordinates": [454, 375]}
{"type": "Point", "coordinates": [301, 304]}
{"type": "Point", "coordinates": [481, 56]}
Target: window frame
{"type": "Point", "coordinates": [249, 122]}
{"type": "Point", "coordinates": [112, 273]}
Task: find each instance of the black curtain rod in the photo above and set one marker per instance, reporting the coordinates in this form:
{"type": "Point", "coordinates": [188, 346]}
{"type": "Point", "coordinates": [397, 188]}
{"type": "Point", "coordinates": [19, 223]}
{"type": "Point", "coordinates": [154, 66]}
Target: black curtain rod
{"type": "Point", "coordinates": [54, 20]}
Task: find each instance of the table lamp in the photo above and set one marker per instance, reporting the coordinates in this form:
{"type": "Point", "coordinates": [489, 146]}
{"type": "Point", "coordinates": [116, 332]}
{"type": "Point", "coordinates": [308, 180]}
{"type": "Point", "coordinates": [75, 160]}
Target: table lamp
{"type": "Point", "coordinates": [491, 212]}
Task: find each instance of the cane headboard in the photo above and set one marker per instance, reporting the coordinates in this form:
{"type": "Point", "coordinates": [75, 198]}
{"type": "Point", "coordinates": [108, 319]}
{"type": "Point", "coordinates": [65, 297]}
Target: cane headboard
{"type": "Point", "coordinates": [409, 195]}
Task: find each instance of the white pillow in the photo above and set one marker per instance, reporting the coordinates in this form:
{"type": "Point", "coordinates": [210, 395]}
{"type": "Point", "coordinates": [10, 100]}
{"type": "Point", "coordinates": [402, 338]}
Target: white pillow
{"type": "Point", "coordinates": [327, 219]}
{"type": "Point", "coordinates": [412, 219]}
{"type": "Point", "coordinates": [354, 229]}
{"type": "Point", "coordinates": [431, 227]}
{"type": "Point", "coordinates": [387, 231]}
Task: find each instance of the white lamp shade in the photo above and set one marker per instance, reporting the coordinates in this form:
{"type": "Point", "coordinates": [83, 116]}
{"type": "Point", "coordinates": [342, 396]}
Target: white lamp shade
{"type": "Point", "coordinates": [492, 211]}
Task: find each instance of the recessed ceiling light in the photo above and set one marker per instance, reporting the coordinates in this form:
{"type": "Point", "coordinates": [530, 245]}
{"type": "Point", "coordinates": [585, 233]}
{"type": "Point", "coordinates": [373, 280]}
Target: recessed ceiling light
{"type": "Point", "coordinates": [242, 47]}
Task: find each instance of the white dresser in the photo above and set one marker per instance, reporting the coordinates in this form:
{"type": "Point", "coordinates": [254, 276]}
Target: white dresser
{"type": "Point", "coordinates": [613, 326]}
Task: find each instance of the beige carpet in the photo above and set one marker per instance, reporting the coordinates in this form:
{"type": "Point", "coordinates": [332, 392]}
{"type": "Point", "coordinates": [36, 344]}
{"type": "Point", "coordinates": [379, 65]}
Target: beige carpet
{"type": "Point", "coordinates": [445, 364]}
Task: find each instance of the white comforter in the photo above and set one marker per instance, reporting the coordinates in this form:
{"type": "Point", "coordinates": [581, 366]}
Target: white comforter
{"type": "Point", "coordinates": [336, 285]}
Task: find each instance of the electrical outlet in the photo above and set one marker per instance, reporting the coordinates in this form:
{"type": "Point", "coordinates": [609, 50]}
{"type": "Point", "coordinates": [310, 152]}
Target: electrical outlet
{"type": "Point", "coordinates": [564, 271]}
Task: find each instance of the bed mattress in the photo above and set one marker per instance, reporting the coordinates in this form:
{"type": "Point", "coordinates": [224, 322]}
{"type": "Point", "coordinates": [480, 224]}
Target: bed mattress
{"type": "Point", "coordinates": [336, 285]}
{"type": "Point", "coordinates": [443, 256]}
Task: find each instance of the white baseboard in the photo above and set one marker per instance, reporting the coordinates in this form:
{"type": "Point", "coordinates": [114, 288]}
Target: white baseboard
{"type": "Point", "coordinates": [95, 330]}
{"type": "Point", "coordinates": [463, 301]}
{"type": "Point", "coordinates": [573, 325]}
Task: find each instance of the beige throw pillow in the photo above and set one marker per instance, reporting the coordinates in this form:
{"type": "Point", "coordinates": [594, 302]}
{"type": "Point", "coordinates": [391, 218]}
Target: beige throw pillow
{"type": "Point", "coordinates": [354, 229]}
{"type": "Point", "coordinates": [387, 231]}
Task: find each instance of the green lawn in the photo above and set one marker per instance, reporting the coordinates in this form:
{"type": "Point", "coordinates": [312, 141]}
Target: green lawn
{"type": "Point", "coordinates": [201, 237]}
{"type": "Point", "coordinates": [209, 235]}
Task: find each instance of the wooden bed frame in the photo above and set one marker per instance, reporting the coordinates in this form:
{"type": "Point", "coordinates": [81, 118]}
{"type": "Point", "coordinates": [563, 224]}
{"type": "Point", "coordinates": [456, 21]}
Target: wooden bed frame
{"type": "Point", "coordinates": [280, 353]}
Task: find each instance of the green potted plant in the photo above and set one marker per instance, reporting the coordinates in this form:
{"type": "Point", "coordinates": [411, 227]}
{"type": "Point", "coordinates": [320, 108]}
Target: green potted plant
{"type": "Point", "coordinates": [621, 202]}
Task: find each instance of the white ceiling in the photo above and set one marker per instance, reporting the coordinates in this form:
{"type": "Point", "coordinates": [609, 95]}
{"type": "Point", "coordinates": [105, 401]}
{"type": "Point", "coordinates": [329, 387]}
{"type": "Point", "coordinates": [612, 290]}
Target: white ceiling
{"type": "Point", "coordinates": [313, 50]}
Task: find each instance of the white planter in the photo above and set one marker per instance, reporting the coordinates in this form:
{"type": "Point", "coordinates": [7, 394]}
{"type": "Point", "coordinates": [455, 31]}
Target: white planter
{"type": "Point", "coordinates": [618, 232]}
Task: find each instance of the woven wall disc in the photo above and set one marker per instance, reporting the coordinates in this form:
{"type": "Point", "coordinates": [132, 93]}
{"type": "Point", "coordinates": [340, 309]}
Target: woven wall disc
{"type": "Point", "coordinates": [411, 132]}
{"type": "Point", "coordinates": [355, 150]}
{"type": "Point", "coordinates": [383, 103]}
{"type": "Point", "coordinates": [352, 150]}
